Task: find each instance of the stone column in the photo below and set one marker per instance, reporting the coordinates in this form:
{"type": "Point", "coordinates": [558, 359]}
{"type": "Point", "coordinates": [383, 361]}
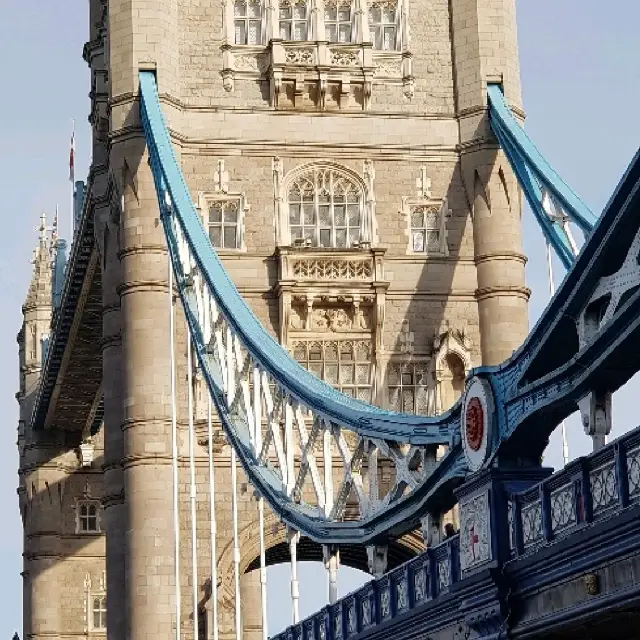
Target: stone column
{"type": "Point", "coordinates": [148, 480]}
{"type": "Point", "coordinates": [113, 494]}
{"type": "Point", "coordinates": [485, 50]}
{"type": "Point", "coordinates": [251, 605]}
{"type": "Point", "coordinates": [143, 34]}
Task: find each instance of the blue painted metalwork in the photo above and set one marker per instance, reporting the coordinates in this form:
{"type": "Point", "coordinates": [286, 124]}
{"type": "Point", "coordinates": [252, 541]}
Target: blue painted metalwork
{"type": "Point", "coordinates": [429, 592]}
{"type": "Point", "coordinates": [534, 172]}
{"type": "Point", "coordinates": [533, 391]}
{"type": "Point", "coordinates": [59, 267]}
{"type": "Point", "coordinates": [74, 276]}
{"type": "Point", "coordinates": [360, 417]}
{"type": "Point", "coordinates": [79, 193]}
{"type": "Point", "coordinates": [309, 390]}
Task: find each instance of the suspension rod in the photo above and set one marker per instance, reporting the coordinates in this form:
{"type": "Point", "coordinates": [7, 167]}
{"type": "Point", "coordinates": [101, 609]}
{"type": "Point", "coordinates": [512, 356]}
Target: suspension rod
{"type": "Point", "coordinates": [174, 458]}
{"type": "Point", "coordinates": [213, 528]}
{"type": "Point", "coordinates": [257, 443]}
{"type": "Point", "coordinates": [192, 487]}
{"type": "Point", "coordinates": [294, 537]}
{"type": "Point", "coordinates": [552, 292]}
{"type": "Point", "coordinates": [236, 546]}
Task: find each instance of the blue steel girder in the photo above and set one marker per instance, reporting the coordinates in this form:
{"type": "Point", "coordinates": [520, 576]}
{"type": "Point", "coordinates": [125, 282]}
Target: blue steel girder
{"type": "Point", "coordinates": [541, 384]}
{"type": "Point", "coordinates": [531, 391]}
{"type": "Point", "coordinates": [535, 174]}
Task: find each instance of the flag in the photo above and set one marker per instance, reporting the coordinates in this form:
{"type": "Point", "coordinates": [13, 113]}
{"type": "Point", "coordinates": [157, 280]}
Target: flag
{"type": "Point", "coordinates": [72, 156]}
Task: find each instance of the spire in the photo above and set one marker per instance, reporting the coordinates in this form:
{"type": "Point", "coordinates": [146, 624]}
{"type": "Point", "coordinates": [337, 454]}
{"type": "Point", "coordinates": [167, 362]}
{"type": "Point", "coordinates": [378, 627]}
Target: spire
{"type": "Point", "coordinates": [39, 293]}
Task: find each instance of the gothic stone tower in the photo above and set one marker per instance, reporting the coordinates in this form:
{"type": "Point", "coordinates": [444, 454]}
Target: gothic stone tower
{"type": "Point", "coordinates": [340, 156]}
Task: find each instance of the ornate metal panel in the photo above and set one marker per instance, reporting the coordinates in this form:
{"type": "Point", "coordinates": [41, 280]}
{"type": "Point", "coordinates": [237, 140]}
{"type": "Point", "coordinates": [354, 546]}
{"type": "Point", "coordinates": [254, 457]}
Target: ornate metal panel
{"type": "Point", "coordinates": [563, 508]}
{"type": "Point", "coordinates": [604, 487]}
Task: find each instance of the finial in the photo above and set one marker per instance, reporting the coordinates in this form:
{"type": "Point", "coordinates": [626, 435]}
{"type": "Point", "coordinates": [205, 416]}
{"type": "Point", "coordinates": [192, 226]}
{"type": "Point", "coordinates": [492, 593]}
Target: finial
{"type": "Point", "coordinates": [42, 228]}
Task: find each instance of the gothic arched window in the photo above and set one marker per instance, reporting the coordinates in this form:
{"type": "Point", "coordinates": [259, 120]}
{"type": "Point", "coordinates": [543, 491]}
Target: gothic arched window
{"type": "Point", "coordinates": [383, 24]}
{"type": "Point", "coordinates": [99, 613]}
{"type": "Point", "coordinates": [247, 21]}
{"type": "Point", "coordinates": [294, 19]}
{"type": "Point", "coordinates": [325, 208]}
{"type": "Point", "coordinates": [338, 20]}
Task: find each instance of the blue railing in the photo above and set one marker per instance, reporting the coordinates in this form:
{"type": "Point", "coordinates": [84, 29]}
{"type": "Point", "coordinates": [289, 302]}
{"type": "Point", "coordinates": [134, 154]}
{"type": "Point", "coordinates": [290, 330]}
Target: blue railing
{"type": "Point", "coordinates": [585, 491]}
{"type": "Point", "coordinates": [395, 594]}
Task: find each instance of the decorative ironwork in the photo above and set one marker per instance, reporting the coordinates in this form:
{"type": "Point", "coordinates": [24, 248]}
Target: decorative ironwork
{"type": "Point", "coordinates": [563, 508]}
{"type": "Point", "coordinates": [385, 601]}
{"type": "Point", "coordinates": [366, 612]}
{"type": "Point", "coordinates": [532, 523]}
{"type": "Point", "coordinates": [444, 575]}
{"type": "Point", "coordinates": [352, 622]}
{"type": "Point", "coordinates": [337, 623]}
{"type": "Point", "coordinates": [604, 488]}
{"type": "Point", "coordinates": [420, 585]}
{"type": "Point", "coordinates": [633, 472]}
{"type": "Point", "coordinates": [402, 601]}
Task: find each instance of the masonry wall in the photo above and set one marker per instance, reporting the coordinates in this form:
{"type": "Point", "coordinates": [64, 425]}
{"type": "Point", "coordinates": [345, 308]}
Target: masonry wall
{"type": "Point", "coordinates": [390, 123]}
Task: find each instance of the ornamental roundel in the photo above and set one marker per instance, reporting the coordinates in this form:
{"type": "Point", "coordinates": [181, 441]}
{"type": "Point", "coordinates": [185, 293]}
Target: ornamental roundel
{"type": "Point", "coordinates": [475, 424]}
{"type": "Point", "coordinates": [477, 418]}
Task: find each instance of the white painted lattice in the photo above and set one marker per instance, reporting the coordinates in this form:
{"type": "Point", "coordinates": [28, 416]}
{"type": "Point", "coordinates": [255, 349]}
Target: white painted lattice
{"type": "Point", "coordinates": [290, 439]}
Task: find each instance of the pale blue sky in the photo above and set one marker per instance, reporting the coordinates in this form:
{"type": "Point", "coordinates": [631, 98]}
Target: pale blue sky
{"type": "Point", "coordinates": [581, 82]}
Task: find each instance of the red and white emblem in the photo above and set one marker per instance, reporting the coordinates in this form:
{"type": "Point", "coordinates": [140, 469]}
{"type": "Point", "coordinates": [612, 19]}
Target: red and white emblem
{"type": "Point", "coordinates": [477, 417]}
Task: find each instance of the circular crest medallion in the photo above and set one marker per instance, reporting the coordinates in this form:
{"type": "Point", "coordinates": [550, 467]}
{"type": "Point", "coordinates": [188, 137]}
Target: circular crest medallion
{"type": "Point", "coordinates": [475, 424]}
{"type": "Point", "coordinates": [477, 419]}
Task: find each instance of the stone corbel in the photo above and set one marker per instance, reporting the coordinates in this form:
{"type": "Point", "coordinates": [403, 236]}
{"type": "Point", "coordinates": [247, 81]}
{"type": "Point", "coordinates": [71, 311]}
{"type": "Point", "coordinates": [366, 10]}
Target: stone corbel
{"type": "Point", "coordinates": [276, 87]}
{"type": "Point", "coordinates": [283, 236]}
{"type": "Point", "coordinates": [285, 311]}
{"type": "Point", "coordinates": [227, 68]}
{"type": "Point", "coordinates": [322, 90]}
{"type": "Point", "coordinates": [366, 91]}
{"type": "Point", "coordinates": [408, 81]}
{"type": "Point", "coordinates": [345, 91]}
{"type": "Point", "coordinates": [309, 317]}
{"type": "Point", "coordinates": [379, 320]}
{"type": "Point", "coordinates": [369, 231]}
{"type": "Point", "coordinates": [356, 311]}
{"type": "Point", "coordinates": [298, 90]}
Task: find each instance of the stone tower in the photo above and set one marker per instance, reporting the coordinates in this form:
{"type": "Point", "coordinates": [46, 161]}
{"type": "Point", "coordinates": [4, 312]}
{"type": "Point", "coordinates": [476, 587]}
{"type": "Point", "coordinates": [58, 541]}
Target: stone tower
{"type": "Point", "coordinates": [340, 156]}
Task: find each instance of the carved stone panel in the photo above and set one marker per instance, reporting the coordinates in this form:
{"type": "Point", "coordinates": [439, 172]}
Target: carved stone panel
{"type": "Point", "coordinates": [475, 531]}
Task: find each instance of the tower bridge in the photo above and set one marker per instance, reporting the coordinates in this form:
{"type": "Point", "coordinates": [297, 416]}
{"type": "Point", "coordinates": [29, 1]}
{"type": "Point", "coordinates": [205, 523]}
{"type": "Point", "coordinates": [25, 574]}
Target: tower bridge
{"type": "Point", "coordinates": [292, 325]}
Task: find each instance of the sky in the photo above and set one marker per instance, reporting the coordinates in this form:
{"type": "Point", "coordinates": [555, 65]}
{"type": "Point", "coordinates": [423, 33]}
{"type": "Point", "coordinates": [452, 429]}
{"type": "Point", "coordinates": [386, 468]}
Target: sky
{"type": "Point", "coordinates": [581, 86]}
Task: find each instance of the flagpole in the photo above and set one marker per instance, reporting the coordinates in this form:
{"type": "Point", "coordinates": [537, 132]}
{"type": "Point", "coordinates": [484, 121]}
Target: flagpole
{"type": "Point", "coordinates": [72, 178]}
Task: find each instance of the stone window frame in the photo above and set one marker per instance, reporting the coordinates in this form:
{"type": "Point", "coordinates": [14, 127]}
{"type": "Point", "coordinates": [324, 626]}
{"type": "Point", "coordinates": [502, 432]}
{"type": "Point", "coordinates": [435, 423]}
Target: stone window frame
{"type": "Point", "coordinates": [294, 20]}
{"type": "Point", "coordinates": [316, 29]}
{"type": "Point", "coordinates": [397, 24]}
{"type": "Point", "coordinates": [87, 502]}
{"type": "Point", "coordinates": [101, 598]}
{"type": "Point", "coordinates": [246, 19]}
{"type": "Point", "coordinates": [206, 200]}
{"type": "Point", "coordinates": [325, 341]}
{"type": "Point", "coordinates": [409, 205]}
{"type": "Point", "coordinates": [283, 183]}
{"type": "Point", "coordinates": [339, 22]}
{"type": "Point", "coordinates": [426, 363]}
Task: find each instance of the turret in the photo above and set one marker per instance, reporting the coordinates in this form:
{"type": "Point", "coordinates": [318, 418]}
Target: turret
{"type": "Point", "coordinates": [36, 312]}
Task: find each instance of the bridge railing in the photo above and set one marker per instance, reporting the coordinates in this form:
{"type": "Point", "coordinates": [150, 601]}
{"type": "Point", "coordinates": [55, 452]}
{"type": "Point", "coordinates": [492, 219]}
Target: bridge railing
{"type": "Point", "coordinates": [410, 585]}
{"type": "Point", "coordinates": [585, 491]}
